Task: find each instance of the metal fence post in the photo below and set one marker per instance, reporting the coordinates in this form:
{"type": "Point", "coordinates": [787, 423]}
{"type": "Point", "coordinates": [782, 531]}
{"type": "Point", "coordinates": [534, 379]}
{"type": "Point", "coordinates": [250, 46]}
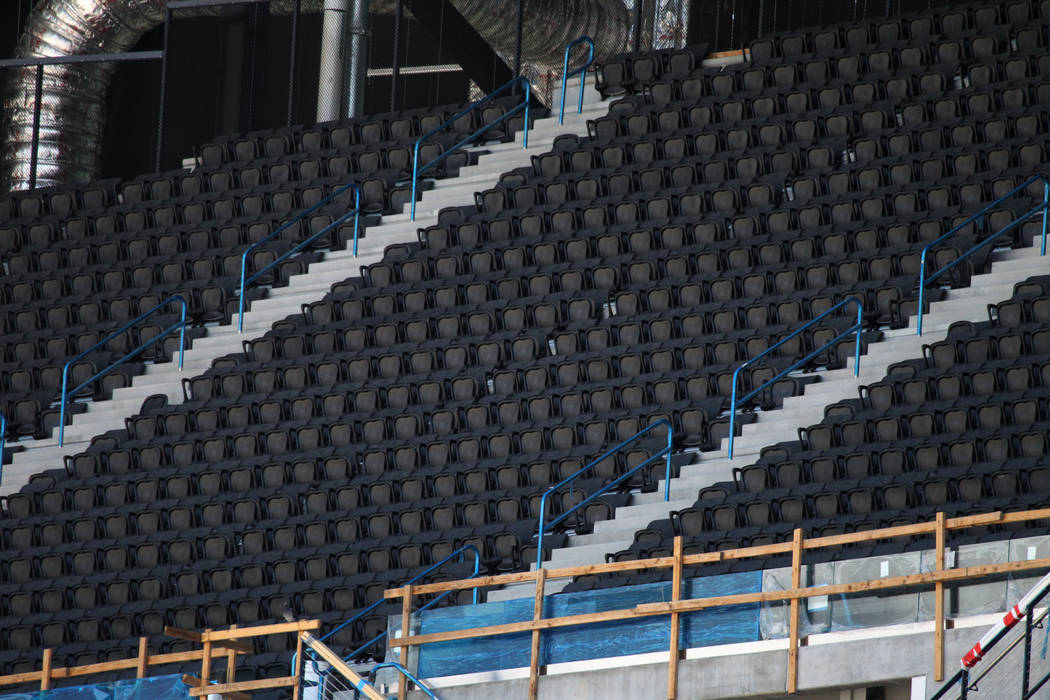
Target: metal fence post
{"type": "Point", "coordinates": [395, 63]}
{"type": "Point", "coordinates": [1026, 668]}
{"type": "Point", "coordinates": [163, 87]}
{"type": "Point", "coordinates": [291, 60]}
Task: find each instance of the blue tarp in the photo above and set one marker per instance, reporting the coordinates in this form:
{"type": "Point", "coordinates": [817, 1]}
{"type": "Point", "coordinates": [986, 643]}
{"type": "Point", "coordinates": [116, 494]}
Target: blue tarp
{"type": "Point", "coordinates": [155, 688]}
{"type": "Point", "coordinates": [726, 625]}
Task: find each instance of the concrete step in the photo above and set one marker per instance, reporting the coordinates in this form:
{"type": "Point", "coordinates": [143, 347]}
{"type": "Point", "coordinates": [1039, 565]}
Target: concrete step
{"type": "Point", "coordinates": [770, 427]}
{"type": "Point", "coordinates": [279, 302]}
{"type": "Point", "coordinates": [586, 554]}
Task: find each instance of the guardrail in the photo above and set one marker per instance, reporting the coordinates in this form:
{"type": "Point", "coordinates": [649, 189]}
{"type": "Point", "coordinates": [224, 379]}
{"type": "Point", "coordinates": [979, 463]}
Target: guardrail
{"type": "Point", "coordinates": [665, 453]}
{"type": "Point", "coordinates": [434, 567]}
{"type": "Point", "coordinates": [581, 71]}
{"type": "Point", "coordinates": [856, 359]}
{"type": "Point", "coordinates": [418, 170]}
{"type": "Point", "coordinates": [924, 279]}
{"type": "Point", "coordinates": [355, 212]}
{"type": "Point", "coordinates": [1024, 609]}
{"type": "Point", "coordinates": [679, 604]}
{"type": "Point", "coordinates": [181, 325]}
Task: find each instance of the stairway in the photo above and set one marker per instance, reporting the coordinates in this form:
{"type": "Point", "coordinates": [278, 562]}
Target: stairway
{"type": "Point", "coordinates": [102, 416]}
{"type": "Point", "coordinates": [967, 304]}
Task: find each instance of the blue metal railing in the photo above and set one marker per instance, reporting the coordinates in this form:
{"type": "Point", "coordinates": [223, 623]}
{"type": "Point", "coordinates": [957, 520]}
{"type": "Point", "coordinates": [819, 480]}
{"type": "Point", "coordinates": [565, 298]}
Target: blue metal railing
{"type": "Point", "coordinates": [3, 442]}
{"type": "Point", "coordinates": [734, 401]}
{"type": "Point", "coordinates": [181, 325]}
{"type": "Point", "coordinates": [418, 170]}
{"type": "Point", "coordinates": [406, 673]}
{"type": "Point", "coordinates": [355, 212]}
{"type": "Point", "coordinates": [664, 453]}
{"type": "Point", "coordinates": [924, 279]}
{"type": "Point", "coordinates": [454, 555]}
{"type": "Point", "coordinates": [581, 71]}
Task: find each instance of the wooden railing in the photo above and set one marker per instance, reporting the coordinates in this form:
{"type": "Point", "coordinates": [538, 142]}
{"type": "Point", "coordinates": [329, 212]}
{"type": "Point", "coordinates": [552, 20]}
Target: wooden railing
{"type": "Point", "coordinates": [216, 644]}
{"type": "Point", "coordinates": [940, 527]}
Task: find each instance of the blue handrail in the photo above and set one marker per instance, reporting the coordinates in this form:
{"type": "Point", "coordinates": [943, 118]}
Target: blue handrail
{"type": "Point", "coordinates": [924, 279]}
{"type": "Point", "coordinates": [355, 212]}
{"type": "Point", "coordinates": [856, 327]}
{"type": "Point", "coordinates": [406, 673]}
{"type": "Point", "coordinates": [418, 170]}
{"type": "Point", "coordinates": [434, 567]}
{"type": "Point", "coordinates": [581, 71]}
{"type": "Point", "coordinates": [181, 325]}
{"type": "Point", "coordinates": [3, 441]}
{"type": "Point", "coordinates": [663, 453]}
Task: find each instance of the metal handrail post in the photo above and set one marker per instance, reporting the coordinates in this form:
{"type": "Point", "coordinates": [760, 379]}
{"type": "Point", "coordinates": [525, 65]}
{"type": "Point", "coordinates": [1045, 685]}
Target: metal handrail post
{"type": "Point", "coordinates": [664, 453]}
{"type": "Point", "coordinates": [3, 442]}
{"type": "Point", "coordinates": [65, 369]}
{"type": "Point", "coordinates": [1046, 205]}
{"type": "Point", "coordinates": [856, 327]}
{"type": "Point", "coordinates": [418, 170]}
{"type": "Point", "coordinates": [355, 212]}
{"type": "Point", "coordinates": [924, 279]}
{"type": "Point", "coordinates": [582, 71]}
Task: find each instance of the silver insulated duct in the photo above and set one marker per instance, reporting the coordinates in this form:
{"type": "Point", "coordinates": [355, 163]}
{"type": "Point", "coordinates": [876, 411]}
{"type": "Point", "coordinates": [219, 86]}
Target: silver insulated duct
{"type": "Point", "coordinates": [74, 96]}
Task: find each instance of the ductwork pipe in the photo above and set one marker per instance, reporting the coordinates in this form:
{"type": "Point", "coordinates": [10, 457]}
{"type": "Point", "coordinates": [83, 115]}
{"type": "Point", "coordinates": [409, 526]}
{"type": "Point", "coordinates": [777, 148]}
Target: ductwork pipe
{"type": "Point", "coordinates": [74, 96]}
{"type": "Point", "coordinates": [330, 76]}
{"type": "Point", "coordinates": [357, 72]}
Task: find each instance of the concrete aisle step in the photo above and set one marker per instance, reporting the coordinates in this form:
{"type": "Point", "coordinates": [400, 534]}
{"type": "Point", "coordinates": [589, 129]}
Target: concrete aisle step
{"type": "Point", "coordinates": [1009, 266]}
{"type": "Point", "coordinates": [279, 302]}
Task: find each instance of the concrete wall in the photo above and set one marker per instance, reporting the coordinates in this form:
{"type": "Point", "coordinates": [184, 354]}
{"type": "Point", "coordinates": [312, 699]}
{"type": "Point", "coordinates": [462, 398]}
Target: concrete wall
{"type": "Point", "coordinates": [835, 666]}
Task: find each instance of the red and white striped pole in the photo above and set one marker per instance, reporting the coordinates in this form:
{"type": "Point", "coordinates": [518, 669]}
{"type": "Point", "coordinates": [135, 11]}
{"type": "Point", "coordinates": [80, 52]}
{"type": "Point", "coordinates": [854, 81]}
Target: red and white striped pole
{"type": "Point", "coordinates": [1011, 618]}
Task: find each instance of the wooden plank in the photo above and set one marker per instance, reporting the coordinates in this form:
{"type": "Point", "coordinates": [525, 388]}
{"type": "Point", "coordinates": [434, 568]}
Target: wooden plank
{"type": "Point", "coordinates": [45, 670]}
{"type": "Point", "coordinates": [938, 591]}
{"type": "Point", "coordinates": [206, 660]}
{"type": "Point", "coordinates": [763, 550]}
{"type": "Point", "coordinates": [177, 657]}
{"type": "Point", "coordinates": [231, 664]}
{"type": "Point", "coordinates": [727, 54]}
{"type": "Point", "coordinates": [179, 633]}
{"type": "Point", "coordinates": [966, 521]}
{"type": "Point", "coordinates": [257, 684]}
{"type": "Point", "coordinates": [143, 658]}
{"type": "Point", "coordinates": [366, 689]}
{"type": "Point", "coordinates": [714, 557]}
{"type": "Point", "coordinates": [406, 627]}
{"type": "Point", "coordinates": [232, 646]}
{"type": "Point", "coordinates": [260, 630]}
{"type": "Point", "coordinates": [676, 595]}
{"type": "Point", "coordinates": [952, 575]}
{"type": "Point", "coordinates": [534, 650]}
{"type": "Point", "coordinates": [796, 583]}
{"type": "Point", "coordinates": [869, 535]}
{"type": "Point", "coordinates": [665, 608]}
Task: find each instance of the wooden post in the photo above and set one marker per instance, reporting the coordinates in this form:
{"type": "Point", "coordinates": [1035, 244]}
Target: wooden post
{"type": "Point", "coordinates": [231, 662]}
{"type": "Point", "coordinates": [206, 661]}
{"type": "Point", "coordinates": [796, 583]}
{"type": "Point", "coordinates": [143, 659]}
{"type": "Point", "coordinates": [45, 670]}
{"type": "Point", "coordinates": [676, 595]}
{"type": "Point", "coordinates": [297, 672]}
{"type": "Point", "coordinates": [534, 654]}
{"type": "Point", "coordinates": [406, 631]}
{"type": "Point", "coordinates": [938, 630]}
